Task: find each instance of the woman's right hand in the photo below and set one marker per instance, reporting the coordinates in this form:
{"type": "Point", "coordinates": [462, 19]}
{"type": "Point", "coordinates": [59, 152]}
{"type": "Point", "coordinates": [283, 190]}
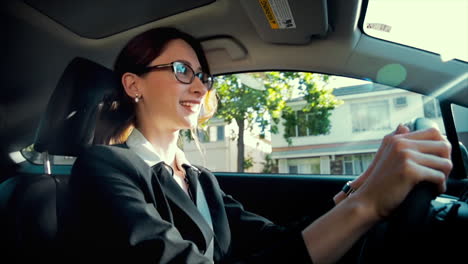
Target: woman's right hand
{"type": "Point", "coordinates": [403, 160]}
{"type": "Point", "coordinates": [356, 183]}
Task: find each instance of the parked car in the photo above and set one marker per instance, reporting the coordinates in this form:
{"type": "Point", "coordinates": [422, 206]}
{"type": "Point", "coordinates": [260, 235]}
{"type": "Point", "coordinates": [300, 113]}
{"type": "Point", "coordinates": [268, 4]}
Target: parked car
{"type": "Point", "coordinates": [381, 61]}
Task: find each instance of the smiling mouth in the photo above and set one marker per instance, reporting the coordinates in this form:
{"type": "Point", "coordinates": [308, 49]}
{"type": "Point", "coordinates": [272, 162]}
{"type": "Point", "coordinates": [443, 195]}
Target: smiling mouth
{"type": "Point", "coordinates": [191, 106]}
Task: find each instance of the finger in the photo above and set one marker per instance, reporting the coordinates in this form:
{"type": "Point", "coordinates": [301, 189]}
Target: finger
{"type": "Point", "coordinates": [339, 197]}
{"type": "Point", "coordinates": [402, 129]}
{"type": "Point", "coordinates": [426, 134]}
{"type": "Point", "coordinates": [434, 162]}
{"type": "Point", "coordinates": [360, 180]}
{"type": "Point", "coordinates": [423, 173]}
{"type": "Point", "coordinates": [438, 148]}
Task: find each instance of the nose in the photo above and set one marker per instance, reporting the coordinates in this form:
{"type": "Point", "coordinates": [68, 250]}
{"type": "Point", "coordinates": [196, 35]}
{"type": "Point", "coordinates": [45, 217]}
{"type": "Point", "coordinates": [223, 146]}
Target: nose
{"type": "Point", "coordinates": [198, 87]}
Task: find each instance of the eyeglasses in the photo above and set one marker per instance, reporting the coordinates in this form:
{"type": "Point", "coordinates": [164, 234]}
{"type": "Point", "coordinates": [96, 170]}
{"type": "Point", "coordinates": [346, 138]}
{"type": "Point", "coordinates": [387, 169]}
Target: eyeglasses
{"type": "Point", "coordinates": [183, 73]}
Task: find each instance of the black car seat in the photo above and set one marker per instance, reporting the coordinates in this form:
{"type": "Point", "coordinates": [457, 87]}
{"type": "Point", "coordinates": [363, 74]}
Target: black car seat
{"type": "Point", "coordinates": [32, 205]}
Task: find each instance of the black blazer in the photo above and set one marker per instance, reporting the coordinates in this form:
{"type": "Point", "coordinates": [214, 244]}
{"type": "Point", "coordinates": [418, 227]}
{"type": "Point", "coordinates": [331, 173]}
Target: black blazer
{"type": "Point", "coordinates": [122, 208]}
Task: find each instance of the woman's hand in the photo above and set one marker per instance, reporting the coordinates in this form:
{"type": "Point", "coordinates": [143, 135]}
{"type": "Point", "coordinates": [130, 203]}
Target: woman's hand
{"type": "Point", "coordinates": [355, 184]}
{"type": "Point", "coordinates": [402, 161]}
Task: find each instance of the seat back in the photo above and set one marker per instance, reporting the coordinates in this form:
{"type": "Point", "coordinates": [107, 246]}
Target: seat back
{"type": "Point", "coordinates": [32, 206]}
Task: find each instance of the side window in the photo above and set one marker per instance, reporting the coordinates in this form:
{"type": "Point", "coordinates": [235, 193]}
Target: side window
{"type": "Point", "coordinates": [304, 123]}
{"type": "Point", "coordinates": [299, 123]}
{"type": "Point", "coordinates": [431, 108]}
{"type": "Point", "coordinates": [36, 158]}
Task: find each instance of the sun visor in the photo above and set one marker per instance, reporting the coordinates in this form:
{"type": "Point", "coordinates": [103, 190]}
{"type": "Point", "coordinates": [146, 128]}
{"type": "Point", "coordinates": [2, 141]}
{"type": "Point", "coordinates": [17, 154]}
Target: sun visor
{"type": "Point", "coordinates": [288, 22]}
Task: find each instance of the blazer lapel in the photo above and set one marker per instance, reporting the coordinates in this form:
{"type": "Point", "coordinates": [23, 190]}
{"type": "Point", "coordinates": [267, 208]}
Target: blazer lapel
{"type": "Point", "coordinates": [181, 199]}
{"type": "Point", "coordinates": [215, 203]}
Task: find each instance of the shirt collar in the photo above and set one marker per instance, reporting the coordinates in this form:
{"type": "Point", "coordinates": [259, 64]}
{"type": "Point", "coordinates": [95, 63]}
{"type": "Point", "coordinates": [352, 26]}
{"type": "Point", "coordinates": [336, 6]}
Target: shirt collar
{"type": "Point", "coordinates": [145, 150]}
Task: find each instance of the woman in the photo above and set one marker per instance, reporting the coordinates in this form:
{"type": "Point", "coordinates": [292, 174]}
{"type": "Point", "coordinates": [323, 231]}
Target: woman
{"type": "Point", "coordinates": [142, 197]}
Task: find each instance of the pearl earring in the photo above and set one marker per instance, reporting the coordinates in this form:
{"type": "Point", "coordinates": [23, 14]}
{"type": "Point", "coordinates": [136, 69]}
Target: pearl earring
{"type": "Point", "coordinates": [137, 98]}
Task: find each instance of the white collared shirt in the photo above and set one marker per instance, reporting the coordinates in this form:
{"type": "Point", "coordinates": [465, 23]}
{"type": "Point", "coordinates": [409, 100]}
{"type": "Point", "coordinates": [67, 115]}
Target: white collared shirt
{"type": "Point", "coordinates": [145, 150]}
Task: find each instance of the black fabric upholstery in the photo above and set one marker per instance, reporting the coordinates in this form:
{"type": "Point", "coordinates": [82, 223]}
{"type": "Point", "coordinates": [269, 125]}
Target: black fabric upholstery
{"type": "Point", "coordinates": [31, 210]}
{"type": "Point", "coordinates": [69, 121]}
{"type": "Point", "coordinates": [32, 206]}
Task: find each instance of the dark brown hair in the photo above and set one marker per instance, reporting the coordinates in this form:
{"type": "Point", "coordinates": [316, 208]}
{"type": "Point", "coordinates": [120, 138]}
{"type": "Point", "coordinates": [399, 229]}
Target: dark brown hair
{"type": "Point", "coordinates": [118, 118]}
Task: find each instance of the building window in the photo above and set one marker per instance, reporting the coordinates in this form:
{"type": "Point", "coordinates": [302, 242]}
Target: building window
{"type": "Point", "coordinates": [370, 116]}
{"type": "Point", "coordinates": [301, 120]}
{"type": "Point", "coordinates": [292, 131]}
{"type": "Point", "coordinates": [301, 129]}
{"type": "Point", "coordinates": [348, 165]}
{"type": "Point", "coordinates": [212, 134]}
{"type": "Point", "coordinates": [400, 102]}
{"type": "Point", "coordinates": [431, 107]}
{"type": "Point", "coordinates": [220, 133]}
{"type": "Point", "coordinates": [356, 164]}
{"type": "Point", "coordinates": [293, 169]}
{"type": "Point", "coordinates": [203, 136]}
{"type": "Point", "coordinates": [305, 166]}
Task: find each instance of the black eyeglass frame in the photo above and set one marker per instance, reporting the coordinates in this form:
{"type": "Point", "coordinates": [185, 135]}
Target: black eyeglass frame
{"type": "Point", "coordinates": [205, 78]}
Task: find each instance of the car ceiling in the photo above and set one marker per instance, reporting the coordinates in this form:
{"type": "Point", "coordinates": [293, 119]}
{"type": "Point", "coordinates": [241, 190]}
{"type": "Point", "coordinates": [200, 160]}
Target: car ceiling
{"type": "Point", "coordinates": [43, 36]}
{"type": "Point", "coordinates": [92, 19]}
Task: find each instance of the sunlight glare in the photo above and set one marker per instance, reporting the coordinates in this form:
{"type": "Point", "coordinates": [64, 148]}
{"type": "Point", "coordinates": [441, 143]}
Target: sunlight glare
{"type": "Point", "coordinates": [439, 26]}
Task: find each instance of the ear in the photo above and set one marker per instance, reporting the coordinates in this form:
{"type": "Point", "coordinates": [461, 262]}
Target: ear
{"type": "Point", "coordinates": [130, 82]}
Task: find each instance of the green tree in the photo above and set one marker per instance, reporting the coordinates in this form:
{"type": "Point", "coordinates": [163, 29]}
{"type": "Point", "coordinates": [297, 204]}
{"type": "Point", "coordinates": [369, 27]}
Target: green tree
{"type": "Point", "coordinates": [269, 165]}
{"type": "Point", "coordinates": [266, 104]}
{"type": "Point", "coordinates": [248, 163]}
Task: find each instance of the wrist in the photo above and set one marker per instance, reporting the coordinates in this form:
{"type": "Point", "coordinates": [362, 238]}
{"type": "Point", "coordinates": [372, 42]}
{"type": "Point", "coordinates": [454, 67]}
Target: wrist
{"type": "Point", "coordinates": [363, 208]}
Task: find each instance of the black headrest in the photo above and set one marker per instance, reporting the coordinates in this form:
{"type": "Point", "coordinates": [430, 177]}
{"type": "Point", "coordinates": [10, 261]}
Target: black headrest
{"type": "Point", "coordinates": [69, 121]}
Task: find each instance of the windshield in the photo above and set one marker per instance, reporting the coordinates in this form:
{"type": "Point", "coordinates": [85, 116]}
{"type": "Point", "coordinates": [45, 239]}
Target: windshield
{"type": "Point", "coordinates": [439, 26]}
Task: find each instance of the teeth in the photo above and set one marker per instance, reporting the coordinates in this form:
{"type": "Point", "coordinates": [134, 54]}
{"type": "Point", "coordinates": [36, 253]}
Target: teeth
{"type": "Point", "coordinates": [187, 104]}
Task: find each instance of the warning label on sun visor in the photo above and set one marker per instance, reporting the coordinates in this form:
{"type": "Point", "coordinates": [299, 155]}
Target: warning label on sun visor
{"type": "Point", "coordinates": [278, 13]}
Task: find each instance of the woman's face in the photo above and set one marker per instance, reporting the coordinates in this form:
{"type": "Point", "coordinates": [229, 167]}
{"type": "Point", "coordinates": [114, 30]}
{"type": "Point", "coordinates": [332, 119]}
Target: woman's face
{"type": "Point", "coordinates": [167, 103]}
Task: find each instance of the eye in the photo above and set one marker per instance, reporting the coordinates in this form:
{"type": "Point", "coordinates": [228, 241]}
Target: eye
{"type": "Point", "coordinates": [180, 68]}
{"type": "Point", "coordinates": [201, 76]}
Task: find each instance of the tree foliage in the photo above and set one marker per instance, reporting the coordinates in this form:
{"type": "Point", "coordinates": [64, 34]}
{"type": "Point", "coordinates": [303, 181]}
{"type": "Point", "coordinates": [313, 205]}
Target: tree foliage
{"type": "Point", "coordinates": [248, 163]}
{"type": "Point", "coordinates": [265, 107]}
{"type": "Point", "coordinates": [269, 165]}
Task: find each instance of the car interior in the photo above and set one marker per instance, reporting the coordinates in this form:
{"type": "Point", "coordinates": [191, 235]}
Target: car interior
{"type": "Point", "coordinates": [57, 68]}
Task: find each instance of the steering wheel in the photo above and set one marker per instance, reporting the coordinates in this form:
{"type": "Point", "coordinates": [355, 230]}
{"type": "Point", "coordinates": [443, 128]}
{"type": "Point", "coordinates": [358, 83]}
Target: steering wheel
{"type": "Point", "coordinates": [404, 237]}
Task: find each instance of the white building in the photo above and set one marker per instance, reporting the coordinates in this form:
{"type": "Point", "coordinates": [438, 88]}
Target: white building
{"type": "Point", "coordinates": [369, 112]}
{"type": "Point", "coordinates": [219, 145]}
